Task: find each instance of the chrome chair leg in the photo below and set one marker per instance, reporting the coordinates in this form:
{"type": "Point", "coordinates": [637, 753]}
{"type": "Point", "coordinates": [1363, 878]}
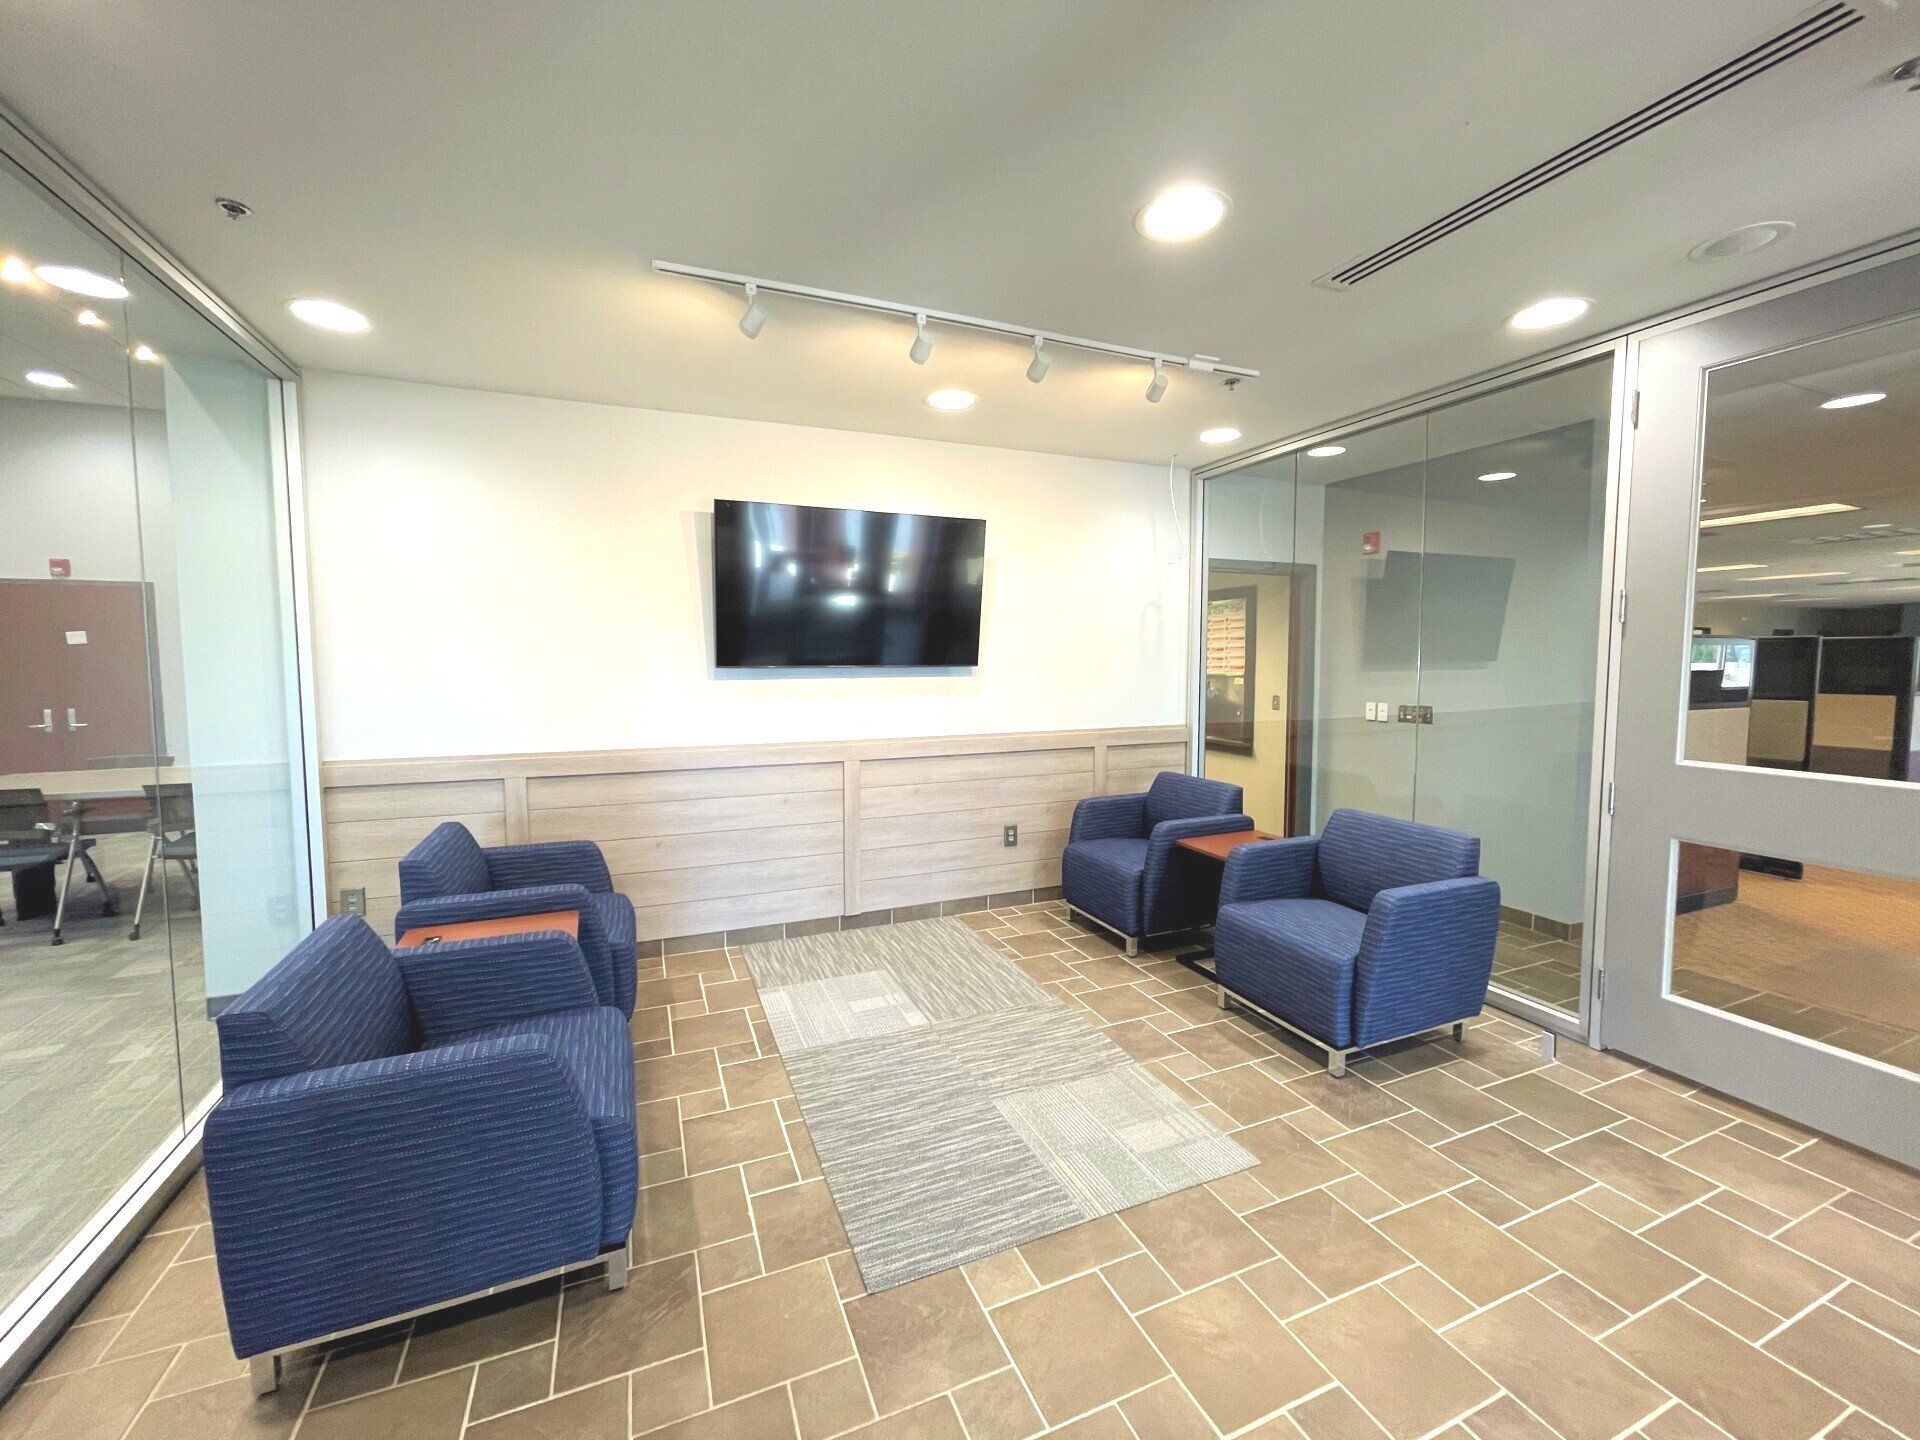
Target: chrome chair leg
{"type": "Point", "coordinates": [146, 878]}
{"type": "Point", "coordinates": [263, 1374]}
{"type": "Point", "coordinates": [617, 1269]}
{"type": "Point", "coordinates": [66, 884]}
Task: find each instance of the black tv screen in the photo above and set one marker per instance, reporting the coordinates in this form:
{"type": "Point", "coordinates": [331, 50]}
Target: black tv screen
{"type": "Point", "coordinates": [798, 586]}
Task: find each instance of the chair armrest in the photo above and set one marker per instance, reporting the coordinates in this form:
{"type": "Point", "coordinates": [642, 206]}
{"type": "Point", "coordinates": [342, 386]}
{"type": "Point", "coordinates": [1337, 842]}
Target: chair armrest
{"type": "Point", "coordinates": [1269, 870]}
{"type": "Point", "coordinates": [462, 985]}
{"type": "Point", "coordinates": [526, 900]}
{"type": "Point", "coordinates": [1109, 817]}
{"type": "Point", "coordinates": [553, 862]}
{"type": "Point", "coordinates": [1171, 904]}
{"type": "Point", "coordinates": [1425, 956]}
{"type": "Point", "coordinates": [345, 1196]}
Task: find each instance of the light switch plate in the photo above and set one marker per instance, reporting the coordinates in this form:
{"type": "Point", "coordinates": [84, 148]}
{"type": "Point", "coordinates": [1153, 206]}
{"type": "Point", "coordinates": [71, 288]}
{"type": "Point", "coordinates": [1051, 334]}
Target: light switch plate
{"type": "Point", "coordinates": [1373, 711]}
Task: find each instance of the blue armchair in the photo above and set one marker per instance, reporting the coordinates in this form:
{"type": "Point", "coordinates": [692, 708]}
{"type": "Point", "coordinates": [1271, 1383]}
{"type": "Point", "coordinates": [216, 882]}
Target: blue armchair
{"type": "Point", "coordinates": [449, 878]}
{"type": "Point", "coordinates": [1121, 868]}
{"type": "Point", "coordinates": [1377, 930]}
{"type": "Point", "coordinates": [402, 1130]}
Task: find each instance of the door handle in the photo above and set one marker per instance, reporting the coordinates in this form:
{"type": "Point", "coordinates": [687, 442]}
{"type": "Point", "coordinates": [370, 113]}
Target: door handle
{"type": "Point", "coordinates": [73, 721]}
{"type": "Point", "coordinates": [46, 722]}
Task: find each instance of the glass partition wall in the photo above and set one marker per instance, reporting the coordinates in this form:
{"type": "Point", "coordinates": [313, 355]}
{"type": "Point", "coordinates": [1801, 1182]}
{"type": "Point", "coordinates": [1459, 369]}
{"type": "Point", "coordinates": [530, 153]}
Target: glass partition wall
{"type": "Point", "coordinates": [153, 805]}
{"type": "Point", "coordinates": [1436, 587]}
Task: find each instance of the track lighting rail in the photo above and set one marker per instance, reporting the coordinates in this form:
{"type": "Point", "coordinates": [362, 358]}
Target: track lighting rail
{"type": "Point", "coordinates": [921, 316]}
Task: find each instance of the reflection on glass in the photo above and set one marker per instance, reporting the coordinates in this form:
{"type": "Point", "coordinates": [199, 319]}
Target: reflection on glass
{"type": "Point", "coordinates": [1807, 577]}
{"type": "Point", "coordinates": [1408, 624]}
{"type": "Point", "coordinates": [1830, 954]}
{"type": "Point", "coordinates": [1258, 642]}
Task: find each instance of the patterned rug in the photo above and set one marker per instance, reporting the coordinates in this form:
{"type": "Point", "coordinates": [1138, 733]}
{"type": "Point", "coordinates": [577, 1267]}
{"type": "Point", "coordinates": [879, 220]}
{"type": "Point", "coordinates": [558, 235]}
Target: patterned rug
{"type": "Point", "coordinates": [957, 1108]}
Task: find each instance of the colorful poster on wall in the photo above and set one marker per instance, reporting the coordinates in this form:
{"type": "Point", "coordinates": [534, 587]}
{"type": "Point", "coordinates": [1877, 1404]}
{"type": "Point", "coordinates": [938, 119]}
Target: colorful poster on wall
{"type": "Point", "coordinates": [1230, 615]}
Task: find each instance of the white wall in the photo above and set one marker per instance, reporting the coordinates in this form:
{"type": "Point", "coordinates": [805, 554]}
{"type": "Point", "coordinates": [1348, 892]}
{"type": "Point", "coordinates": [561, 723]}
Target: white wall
{"type": "Point", "coordinates": [496, 573]}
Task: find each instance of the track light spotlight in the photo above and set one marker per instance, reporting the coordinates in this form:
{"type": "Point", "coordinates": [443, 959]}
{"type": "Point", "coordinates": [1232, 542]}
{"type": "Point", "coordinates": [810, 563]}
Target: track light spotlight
{"type": "Point", "coordinates": [922, 342]}
{"type": "Point", "coordinates": [1158, 385]}
{"type": "Point", "coordinates": [756, 316]}
{"type": "Point", "coordinates": [1042, 362]}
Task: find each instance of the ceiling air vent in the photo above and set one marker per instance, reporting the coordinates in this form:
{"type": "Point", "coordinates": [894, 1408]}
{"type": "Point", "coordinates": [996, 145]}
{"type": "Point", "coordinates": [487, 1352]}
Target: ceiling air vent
{"type": "Point", "coordinates": [1823, 24]}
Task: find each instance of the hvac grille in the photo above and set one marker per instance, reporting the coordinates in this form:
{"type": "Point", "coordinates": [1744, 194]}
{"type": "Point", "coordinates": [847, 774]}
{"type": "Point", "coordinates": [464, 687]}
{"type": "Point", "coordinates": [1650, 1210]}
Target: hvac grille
{"type": "Point", "coordinates": [1795, 39]}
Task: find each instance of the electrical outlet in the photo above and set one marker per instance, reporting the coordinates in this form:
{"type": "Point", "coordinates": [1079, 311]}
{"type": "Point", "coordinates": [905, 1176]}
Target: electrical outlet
{"type": "Point", "coordinates": [353, 902]}
{"type": "Point", "coordinates": [1009, 834]}
{"type": "Point", "coordinates": [1276, 702]}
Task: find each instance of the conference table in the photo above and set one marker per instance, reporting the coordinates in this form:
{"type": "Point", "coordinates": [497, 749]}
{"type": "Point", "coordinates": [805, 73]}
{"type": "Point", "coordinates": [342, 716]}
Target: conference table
{"type": "Point", "coordinates": [90, 802]}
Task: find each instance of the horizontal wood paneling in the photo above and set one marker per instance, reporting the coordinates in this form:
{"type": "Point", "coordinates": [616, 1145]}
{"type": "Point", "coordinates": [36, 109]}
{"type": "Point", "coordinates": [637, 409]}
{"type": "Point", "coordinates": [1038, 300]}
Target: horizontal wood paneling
{"type": "Point", "coordinates": [714, 839]}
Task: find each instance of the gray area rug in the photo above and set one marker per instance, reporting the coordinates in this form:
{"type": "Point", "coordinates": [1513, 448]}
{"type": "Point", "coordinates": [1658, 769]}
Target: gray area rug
{"type": "Point", "coordinates": [957, 1108]}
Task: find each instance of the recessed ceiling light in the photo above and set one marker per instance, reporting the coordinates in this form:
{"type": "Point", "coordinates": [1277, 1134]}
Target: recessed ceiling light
{"type": "Point", "coordinates": [1493, 475]}
{"type": "Point", "coordinates": [1721, 569]}
{"type": "Point", "coordinates": [49, 380]}
{"type": "Point", "coordinates": [1758, 595]}
{"type": "Point", "coordinates": [952, 399]}
{"type": "Point", "coordinates": [1793, 512]}
{"type": "Point", "coordinates": [1851, 402]}
{"type": "Point", "coordinates": [146, 355]}
{"type": "Point", "coordinates": [1796, 575]}
{"type": "Point", "coordinates": [81, 281]}
{"type": "Point", "coordinates": [14, 271]}
{"type": "Point", "coordinates": [1327, 452]}
{"type": "Point", "coordinates": [1554, 310]}
{"type": "Point", "coordinates": [1907, 552]}
{"type": "Point", "coordinates": [1219, 435]}
{"type": "Point", "coordinates": [330, 315]}
{"type": "Point", "coordinates": [89, 319]}
{"type": "Point", "coordinates": [1879, 525]}
{"type": "Point", "coordinates": [1743, 241]}
{"type": "Point", "coordinates": [1181, 212]}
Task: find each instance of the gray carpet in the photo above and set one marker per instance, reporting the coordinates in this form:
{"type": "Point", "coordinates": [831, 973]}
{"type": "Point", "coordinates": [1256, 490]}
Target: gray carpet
{"type": "Point", "coordinates": [957, 1108]}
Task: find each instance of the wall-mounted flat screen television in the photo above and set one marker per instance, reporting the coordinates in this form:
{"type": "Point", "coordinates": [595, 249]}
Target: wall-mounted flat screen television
{"type": "Point", "coordinates": [799, 586]}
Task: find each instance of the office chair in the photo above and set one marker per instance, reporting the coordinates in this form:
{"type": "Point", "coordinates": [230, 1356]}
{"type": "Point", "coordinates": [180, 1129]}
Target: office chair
{"type": "Point", "coordinates": [29, 842]}
{"type": "Point", "coordinates": [171, 825]}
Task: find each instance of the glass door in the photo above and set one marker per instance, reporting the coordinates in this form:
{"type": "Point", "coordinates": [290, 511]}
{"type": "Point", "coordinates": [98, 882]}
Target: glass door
{"type": "Point", "coordinates": [1763, 884]}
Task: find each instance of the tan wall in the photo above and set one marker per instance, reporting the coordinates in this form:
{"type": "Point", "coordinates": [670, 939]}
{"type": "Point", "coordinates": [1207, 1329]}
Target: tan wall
{"type": "Point", "coordinates": [734, 838]}
{"type": "Point", "coordinates": [1263, 774]}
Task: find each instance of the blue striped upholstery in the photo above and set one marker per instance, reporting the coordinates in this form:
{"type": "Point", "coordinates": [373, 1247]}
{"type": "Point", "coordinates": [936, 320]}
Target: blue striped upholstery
{"type": "Point", "coordinates": [466, 985]}
{"type": "Point", "coordinates": [1174, 796]}
{"type": "Point", "coordinates": [1362, 854]}
{"type": "Point", "coordinates": [448, 862]}
{"type": "Point", "coordinates": [1122, 865]}
{"type": "Point", "coordinates": [336, 998]}
{"type": "Point", "coordinates": [353, 1177]}
{"type": "Point", "coordinates": [595, 1049]}
{"type": "Point", "coordinates": [1379, 928]}
{"type": "Point", "coordinates": [439, 886]}
{"type": "Point", "coordinates": [1295, 958]}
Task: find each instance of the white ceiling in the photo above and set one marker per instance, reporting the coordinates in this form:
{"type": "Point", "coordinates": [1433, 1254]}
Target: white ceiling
{"type": "Point", "coordinates": [489, 180]}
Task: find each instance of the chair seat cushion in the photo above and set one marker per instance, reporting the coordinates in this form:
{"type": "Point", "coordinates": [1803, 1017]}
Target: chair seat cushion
{"type": "Point", "coordinates": [1295, 958]}
{"type": "Point", "coordinates": [595, 1050]}
{"type": "Point", "coordinates": [1104, 878]}
{"type": "Point", "coordinates": [615, 912]}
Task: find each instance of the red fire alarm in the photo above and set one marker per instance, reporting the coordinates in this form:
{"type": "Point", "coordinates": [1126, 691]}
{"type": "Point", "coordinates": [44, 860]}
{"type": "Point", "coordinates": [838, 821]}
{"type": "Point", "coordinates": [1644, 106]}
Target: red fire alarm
{"type": "Point", "coordinates": [60, 569]}
{"type": "Point", "coordinates": [1370, 543]}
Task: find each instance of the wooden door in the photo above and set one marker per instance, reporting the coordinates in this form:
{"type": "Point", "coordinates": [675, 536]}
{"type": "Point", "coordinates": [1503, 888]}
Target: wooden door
{"type": "Point", "coordinates": [82, 649]}
{"type": "Point", "coordinates": [33, 732]}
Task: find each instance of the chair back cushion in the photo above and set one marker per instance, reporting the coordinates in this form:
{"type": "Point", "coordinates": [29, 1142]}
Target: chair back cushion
{"type": "Point", "coordinates": [1361, 854]}
{"type": "Point", "coordinates": [448, 862]}
{"type": "Point", "coordinates": [1174, 796]}
{"type": "Point", "coordinates": [335, 999]}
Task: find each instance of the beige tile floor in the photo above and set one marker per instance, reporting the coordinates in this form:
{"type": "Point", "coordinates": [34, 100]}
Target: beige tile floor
{"type": "Point", "coordinates": [1457, 1241]}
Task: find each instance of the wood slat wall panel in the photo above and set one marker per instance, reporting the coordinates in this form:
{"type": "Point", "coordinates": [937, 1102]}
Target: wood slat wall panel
{"type": "Point", "coordinates": [563, 791]}
{"type": "Point", "coordinates": [735, 912]}
{"type": "Point", "coordinates": [390, 839]}
{"type": "Point", "coordinates": [882, 832]}
{"type": "Point", "coordinates": [683, 817]}
{"type": "Point", "coordinates": [670, 853]}
{"type": "Point", "coordinates": [960, 855]}
{"type": "Point", "coordinates": [895, 891]}
{"type": "Point", "coordinates": [1076, 761]}
{"type": "Point", "coordinates": [716, 882]}
{"type": "Point", "coordinates": [948, 795]}
{"type": "Point", "coordinates": [438, 799]}
{"type": "Point", "coordinates": [716, 839]}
